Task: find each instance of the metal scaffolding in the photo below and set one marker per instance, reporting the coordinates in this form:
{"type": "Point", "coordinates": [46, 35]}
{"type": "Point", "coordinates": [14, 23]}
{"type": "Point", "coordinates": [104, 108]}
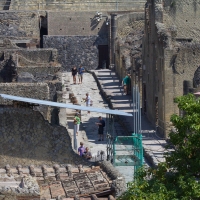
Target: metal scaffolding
{"type": "Point", "coordinates": [126, 150]}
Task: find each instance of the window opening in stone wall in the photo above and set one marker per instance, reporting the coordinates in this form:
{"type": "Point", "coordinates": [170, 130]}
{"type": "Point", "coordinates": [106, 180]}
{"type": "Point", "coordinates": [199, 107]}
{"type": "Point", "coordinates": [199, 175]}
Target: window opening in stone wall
{"type": "Point", "coordinates": [7, 5]}
{"type": "Point", "coordinates": [21, 45]}
{"type": "Point", "coordinates": [103, 57]}
{"type": "Point", "coordinates": [43, 29]}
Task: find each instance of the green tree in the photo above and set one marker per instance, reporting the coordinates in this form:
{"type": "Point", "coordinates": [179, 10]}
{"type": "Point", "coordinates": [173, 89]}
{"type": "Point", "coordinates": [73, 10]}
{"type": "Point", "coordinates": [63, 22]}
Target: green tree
{"type": "Point", "coordinates": [178, 177]}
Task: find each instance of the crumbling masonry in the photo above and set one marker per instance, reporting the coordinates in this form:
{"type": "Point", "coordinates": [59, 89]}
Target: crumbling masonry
{"type": "Point", "coordinates": [171, 57]}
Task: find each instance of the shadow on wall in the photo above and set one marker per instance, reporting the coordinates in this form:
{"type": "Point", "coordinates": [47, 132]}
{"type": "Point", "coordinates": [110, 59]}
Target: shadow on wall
{"type": "Point", "coordinates": [26, 138]}
{"type": "Point", "coordinates": [7, 5]}
{"type": "Point", "coordinates": [94, 23]}
{"type": "Point", "coordinates": [8, 72]}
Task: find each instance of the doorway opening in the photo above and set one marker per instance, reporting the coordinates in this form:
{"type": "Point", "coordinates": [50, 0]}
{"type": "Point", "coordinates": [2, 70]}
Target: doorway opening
{"type": "Point", "coordinates": [43, 29]}
{"type": "Point", "coordinates": [103, 57]}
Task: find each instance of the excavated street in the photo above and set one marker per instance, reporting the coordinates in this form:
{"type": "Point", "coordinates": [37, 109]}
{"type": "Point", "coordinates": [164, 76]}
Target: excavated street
{"type": "Point", "coordinates": [101, 84]}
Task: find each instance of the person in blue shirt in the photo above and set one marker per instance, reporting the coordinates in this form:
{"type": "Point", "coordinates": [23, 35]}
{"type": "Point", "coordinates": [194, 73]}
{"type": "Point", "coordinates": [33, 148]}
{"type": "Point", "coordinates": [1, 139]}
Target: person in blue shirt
{"type": "Point", "coordinates": [81, 70]}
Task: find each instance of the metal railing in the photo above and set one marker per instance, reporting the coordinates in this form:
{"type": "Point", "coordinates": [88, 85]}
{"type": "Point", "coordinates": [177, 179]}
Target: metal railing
{"type": "Point", "coordinates": [128, 151]}
{"type": "Point", "coordinates": [112, 5]}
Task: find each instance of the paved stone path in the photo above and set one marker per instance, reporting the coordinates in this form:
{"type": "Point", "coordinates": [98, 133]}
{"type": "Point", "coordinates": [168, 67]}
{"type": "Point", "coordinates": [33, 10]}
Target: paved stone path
{"type": "Point", "coordinates": [109, 85]}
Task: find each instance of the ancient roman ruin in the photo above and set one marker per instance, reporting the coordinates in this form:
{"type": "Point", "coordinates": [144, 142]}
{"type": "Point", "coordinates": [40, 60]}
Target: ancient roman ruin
{"type": "Point", "coordinates": [170, 57]}
{"type": "Point", "coordinates": [38, 41]}
{"type": "Point", "coordinates": [154, 40]}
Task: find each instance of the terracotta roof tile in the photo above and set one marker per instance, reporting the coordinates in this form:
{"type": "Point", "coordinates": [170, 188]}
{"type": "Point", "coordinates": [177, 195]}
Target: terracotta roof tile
{"type": "Point", "coordinates": [55, 181]}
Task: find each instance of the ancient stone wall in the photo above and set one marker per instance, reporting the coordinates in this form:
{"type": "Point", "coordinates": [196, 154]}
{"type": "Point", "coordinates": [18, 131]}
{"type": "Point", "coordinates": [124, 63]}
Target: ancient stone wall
{"type": "Point", "coordinates": [78, 5]}
{"type": "Point", "coordinates": [76, 50]}
{"type": "Point", "coordinates": [39, 74]}
{"type": "Point", "coordinates": [32, 57]}
{"type": "Point", "coordinates": [30, 90]}
{"type": "Point", "coordinates": [26, 138]}
{"type": "Point", "coordinates": [19, 24]}
{"type": "Point", "coordinates": [4, 5]}
{"type": "Point", "coordinates": [182, 15]}
{"type": "Point", "coordinates": [130, 28]}
{"type": "Point", "coordinates": [76, 23]}
{"type": "Point", "coordinates": [170, 57]}
{"type": "Point", "coordinates": [119, 183]}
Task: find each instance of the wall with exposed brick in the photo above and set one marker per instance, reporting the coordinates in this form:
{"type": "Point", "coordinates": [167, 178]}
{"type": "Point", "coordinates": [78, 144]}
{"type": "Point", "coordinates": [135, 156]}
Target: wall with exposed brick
{"type": "Point", "coordinates": [21, 24]}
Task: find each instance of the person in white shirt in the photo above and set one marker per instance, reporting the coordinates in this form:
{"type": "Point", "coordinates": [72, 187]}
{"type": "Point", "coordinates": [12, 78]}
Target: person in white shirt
{"type": "Point", "coordinates": [88, 100]}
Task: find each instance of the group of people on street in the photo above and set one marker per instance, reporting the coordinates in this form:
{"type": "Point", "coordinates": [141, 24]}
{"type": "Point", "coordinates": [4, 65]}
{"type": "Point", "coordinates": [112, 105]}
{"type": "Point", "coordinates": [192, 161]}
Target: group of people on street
{"type": "Point", "coordinates": [78, 72]}
{"type": "Point", "coordinates": [84, 152]}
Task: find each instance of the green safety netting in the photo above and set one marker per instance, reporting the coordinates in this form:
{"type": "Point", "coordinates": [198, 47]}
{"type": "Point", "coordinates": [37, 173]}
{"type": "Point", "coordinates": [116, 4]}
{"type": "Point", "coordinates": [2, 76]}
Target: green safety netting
{"type": "Point", "coordinates": [128, 151]}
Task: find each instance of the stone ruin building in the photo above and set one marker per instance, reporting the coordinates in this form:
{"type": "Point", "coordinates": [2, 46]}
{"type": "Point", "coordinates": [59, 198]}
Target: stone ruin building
{"type": "Point", "coordinates": [38, 40]}
{"type": "Point", "coordinates": [171, 57]}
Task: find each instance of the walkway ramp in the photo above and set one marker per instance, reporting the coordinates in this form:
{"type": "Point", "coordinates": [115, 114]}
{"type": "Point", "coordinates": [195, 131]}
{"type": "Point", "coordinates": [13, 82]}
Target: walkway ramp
{"type": "Point", "coordinates": [111, 87]}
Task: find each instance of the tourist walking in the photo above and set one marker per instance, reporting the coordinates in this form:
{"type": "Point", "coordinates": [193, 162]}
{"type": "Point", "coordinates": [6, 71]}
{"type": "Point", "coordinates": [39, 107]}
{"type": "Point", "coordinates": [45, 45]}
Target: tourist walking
{"type": "Point", "coordinates": [77, 122]}
{"type": "Point", "coordinates": [74, 74]}
{"type": "Point", "coordinates": [101, 125]}
{"type": "Point", "coordinates": [87, 154]}
{"type": "Point", "coordinates": [81, 149]}
{"type": "Point", "coordinates": [126, 83]}
{"type": "Point", "coordinates": [81, 70]}
{"type": "Point", "coordinates": [88, 100]}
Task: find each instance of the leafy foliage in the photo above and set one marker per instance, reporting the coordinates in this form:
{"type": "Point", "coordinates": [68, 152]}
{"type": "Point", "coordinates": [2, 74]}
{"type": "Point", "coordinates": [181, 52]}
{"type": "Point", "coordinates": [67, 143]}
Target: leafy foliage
{"type": "Point", "coordinates": [177, 178]}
